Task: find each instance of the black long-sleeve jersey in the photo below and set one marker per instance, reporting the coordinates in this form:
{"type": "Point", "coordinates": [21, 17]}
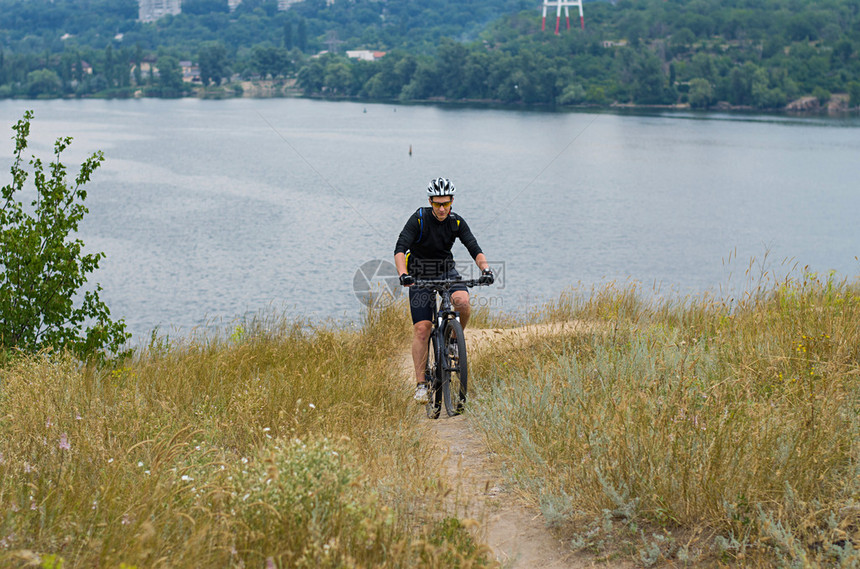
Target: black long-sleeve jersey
{"type": "Point", "coordinates": [427, 242]}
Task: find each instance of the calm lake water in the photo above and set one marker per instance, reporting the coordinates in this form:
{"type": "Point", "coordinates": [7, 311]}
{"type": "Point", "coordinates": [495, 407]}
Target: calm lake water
{"type": "Point", "coordinates": [212, 210]}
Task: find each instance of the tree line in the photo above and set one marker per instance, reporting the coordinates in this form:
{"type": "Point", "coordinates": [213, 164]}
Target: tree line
{"type": "Point", "coordinates": [648, 52]}
{"type": "Point", "coordinates": [73, 73]}
{"type": "Point", "coordinates": [577, 71]}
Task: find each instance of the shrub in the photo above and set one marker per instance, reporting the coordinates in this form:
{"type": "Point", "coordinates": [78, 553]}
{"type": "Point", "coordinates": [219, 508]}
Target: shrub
{"type": "Point", "coordinates": [42, 266]}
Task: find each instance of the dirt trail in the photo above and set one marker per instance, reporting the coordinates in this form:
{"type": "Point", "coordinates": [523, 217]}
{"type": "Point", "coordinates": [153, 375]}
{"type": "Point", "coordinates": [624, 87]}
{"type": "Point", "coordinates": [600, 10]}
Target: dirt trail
{"type": "Point", "coordinates": [514, 530]}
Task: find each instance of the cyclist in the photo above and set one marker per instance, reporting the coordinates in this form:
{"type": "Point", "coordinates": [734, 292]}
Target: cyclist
{"type": "Point", "coordinates": [423, 251]}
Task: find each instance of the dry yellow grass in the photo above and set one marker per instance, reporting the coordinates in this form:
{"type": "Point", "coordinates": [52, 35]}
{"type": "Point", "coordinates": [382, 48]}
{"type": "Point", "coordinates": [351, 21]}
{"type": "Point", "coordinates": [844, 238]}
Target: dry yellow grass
{"type": "Point", "coordinates": [692, 430]}
{"type": "Point", "coordinates": [274, 445]}
{"type": "Point", "coordinates": [688, 431]}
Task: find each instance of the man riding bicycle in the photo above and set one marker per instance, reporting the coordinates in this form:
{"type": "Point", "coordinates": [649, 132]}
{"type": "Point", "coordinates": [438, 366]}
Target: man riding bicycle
{"type": "Point", "coordinates": [423, 251]}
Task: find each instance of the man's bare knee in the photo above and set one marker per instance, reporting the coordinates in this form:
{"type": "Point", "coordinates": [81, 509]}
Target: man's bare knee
{"type": "Point", "coordinates": [460, 300]}
{"type": "Point", "coordinates": [422, 329]}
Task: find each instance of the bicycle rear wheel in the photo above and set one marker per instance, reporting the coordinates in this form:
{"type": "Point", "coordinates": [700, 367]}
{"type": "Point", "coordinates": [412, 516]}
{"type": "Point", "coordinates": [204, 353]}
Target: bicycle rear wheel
{"type": "Point", "coordinates": [434, 403]}
{"type": "Point", "coordinates": [455, 369]}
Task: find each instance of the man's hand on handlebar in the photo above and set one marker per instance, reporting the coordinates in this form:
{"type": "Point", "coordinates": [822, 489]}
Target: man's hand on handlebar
{"type": "Point", "coordinates": [407, 280]}
{"type": "Point", "coordinates": [487, 277]}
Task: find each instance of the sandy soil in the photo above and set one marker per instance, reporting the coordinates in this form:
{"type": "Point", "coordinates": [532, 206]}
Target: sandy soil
{"type": "Point", "coordinates": [514, 530]}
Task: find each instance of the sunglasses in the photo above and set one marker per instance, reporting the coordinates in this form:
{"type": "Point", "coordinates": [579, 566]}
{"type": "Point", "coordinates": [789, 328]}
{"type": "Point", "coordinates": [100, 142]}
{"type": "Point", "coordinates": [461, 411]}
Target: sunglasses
{"type": "Point", "coordinates": [442, 204]}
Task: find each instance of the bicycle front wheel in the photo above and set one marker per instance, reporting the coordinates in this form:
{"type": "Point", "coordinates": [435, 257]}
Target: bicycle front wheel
{"type": "Point", "coordinates": [455, 369]}
{"type": "Point", "coordinates": [434, 366]}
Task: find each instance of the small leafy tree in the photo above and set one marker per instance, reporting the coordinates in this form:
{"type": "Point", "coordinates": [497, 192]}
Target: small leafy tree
{"type": "Point", "coordinates": [701, 93]}
{"type": "Point", "coordinates": [170, 76]}
{"type": "Point", "coordinates": [43, 267]}
{"type": "Point", "coordinates": [213, 63]}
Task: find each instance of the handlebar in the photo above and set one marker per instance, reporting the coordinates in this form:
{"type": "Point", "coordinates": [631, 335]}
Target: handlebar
{"type": "Point", "coordinates": [445, 284]}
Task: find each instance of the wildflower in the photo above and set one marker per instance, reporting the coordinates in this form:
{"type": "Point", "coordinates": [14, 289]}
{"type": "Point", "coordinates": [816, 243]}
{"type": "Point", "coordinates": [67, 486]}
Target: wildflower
{"type": "Point", "coordinates": [267, 429]}
{"type": "Point", "coordinates": [27, 468]}
{"type": "Point", "coordinates": [78, 417]}
{"type": "Point", "coordinates": [64, 442]}
{"type": "Point", "coordinates": [49, 423]}
{"type": "Point", "coordinates": [312, 406]}
{"type": "Point", "coordinates": [126, 519]}
{"type": "Point", "coordinates": [186, 478]}
{"type": "Point", "coordinates": [270, 563]}
{"type": "Point", "coordinates": [140, 464]}
{"type": "Point", "coordinates": [110, 460]}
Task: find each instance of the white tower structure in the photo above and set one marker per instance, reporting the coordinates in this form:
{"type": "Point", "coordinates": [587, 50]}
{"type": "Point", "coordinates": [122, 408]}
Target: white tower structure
{"type": "Point", "coordinates": [559, 4]}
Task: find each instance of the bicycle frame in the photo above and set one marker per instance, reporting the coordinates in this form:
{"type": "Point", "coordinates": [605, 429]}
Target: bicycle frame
{"type": "Point", "coordinates": [442, 316]}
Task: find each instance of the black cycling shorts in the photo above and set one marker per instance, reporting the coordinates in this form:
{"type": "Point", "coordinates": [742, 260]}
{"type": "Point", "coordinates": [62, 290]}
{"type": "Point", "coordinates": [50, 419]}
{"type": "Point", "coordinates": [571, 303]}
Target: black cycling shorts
{"type": "Point", "coordinates": [422, 301]}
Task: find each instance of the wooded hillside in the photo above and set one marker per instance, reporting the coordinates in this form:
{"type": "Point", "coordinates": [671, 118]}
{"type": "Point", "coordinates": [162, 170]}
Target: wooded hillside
{"type": "Point", "coordinates": [760, 54]}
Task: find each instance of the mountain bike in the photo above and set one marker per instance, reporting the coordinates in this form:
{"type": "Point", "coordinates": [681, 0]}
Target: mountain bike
{"type": "Point", "coordinates": [447, 362]}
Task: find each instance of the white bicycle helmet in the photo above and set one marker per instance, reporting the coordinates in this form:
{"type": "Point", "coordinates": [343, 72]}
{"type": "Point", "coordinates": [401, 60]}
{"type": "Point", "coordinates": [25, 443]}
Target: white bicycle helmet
{"type": "Point", "coordinates": [440, 187]}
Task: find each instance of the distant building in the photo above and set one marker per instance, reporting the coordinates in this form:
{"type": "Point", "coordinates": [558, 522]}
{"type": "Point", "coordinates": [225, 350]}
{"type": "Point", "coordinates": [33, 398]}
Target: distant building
{"type": "Point", "coordinates": [147, 69]}
{"type": "Point", "coordinates": [284, 5]}
{"type": "Point", "coordinates": [233, 4]}
{"type": "Point", "coordinates": [152, 10]}
{"type": "Point", "coordinates": [365, 54]}
{"type": "Point", "coordinates": [147, 64]}
{"type": "Point", "coordinates": [610, 43]}
{"type": "Point", "coordinates": [190, 72]}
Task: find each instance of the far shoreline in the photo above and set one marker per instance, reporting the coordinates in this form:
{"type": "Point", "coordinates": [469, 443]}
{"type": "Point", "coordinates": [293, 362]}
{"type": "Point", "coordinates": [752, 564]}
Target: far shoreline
{"type": "Point", "coordinates": [807, 106]}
